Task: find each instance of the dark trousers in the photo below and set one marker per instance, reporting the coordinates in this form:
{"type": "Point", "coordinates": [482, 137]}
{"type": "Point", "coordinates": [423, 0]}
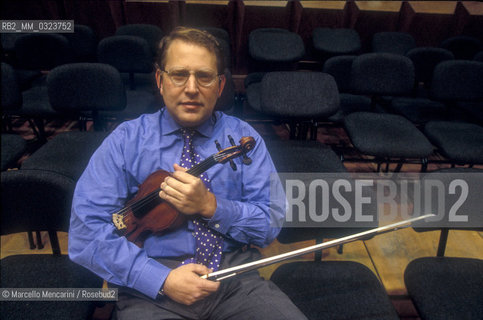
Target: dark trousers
{"type": "Point", "coordinates": [247, 296]}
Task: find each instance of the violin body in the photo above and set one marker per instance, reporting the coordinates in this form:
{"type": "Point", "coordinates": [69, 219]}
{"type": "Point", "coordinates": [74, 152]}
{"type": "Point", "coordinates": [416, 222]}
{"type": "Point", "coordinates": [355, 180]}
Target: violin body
{"type": "Point", "coordinates": [136, 224]}
{"type": "Point", "coordinates": [146, 213]}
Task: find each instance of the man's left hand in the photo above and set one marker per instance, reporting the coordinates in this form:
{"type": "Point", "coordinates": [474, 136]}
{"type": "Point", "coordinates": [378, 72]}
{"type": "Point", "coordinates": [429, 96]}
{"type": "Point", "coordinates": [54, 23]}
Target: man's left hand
{"type": "Point", "coordinates": [187, 193]}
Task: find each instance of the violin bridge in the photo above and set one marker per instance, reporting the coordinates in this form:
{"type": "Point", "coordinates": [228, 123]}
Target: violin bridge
{"type": "Point", "coordinates": [118, 221]}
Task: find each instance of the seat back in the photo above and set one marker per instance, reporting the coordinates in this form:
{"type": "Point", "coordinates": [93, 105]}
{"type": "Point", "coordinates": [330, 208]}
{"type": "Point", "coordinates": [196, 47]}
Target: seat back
{"type": "Point", "coordinates": [382, 74]}
{"type": "Point", "coordinates": [86, 86]}
{"type": "Point", "coordinates": [149, 32]}
{"type": "Point", "coordinates": [42, 51]}
{"type": "Point", "coordinates": [473, 177]}
{"type": "Point", "coordinates": [218, 33]}
{"type": "Point", "coordinates": [463, 47]}
{"type": "Point", "coordinates": [299, 94]}
{"type": "Point", "coordinates": [336, 41]}
{"type": "Point", "coordinates": [129, 54]}
{"type": "Point", "coordinates": [458, 80]}
{"type": "Point", "coordinates": [393, 42]}
{"type": "Point", "coordinates": [425, 59]}
{"type": "Point", "coordinates": [275, 45]}
{"type": "Point", "coordinates": [11, 96]}
{"type": "Point", "coordinates": [274, 49]}
{"type": "Point", "coordinates": [224, 40]}
{"type": "Point", "coordinates": [41, 200]}
{"type": "Point", "coordinates": [35, 200]}
{"type": "Point", "coordinates": [340, 68]}
{"type": "Point", "coordinates": [83, 42]}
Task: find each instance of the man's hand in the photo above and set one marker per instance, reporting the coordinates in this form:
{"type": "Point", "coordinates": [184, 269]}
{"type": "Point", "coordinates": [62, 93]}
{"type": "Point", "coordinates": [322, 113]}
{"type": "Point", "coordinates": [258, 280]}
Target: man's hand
{"type": "Point", "coordinates": [185, 286]}
{"type": "Point", "coordinates": [187, 193]}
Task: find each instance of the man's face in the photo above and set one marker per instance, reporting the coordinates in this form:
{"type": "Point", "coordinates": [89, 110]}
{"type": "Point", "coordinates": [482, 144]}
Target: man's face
{"type": "Point", "coordinates": [190, 104]}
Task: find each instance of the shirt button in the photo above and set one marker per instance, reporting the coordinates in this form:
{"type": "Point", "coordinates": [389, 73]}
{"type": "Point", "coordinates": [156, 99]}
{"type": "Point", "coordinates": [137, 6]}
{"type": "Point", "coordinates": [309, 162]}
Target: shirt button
{"type": "Point", "coordinates": [217, 226]}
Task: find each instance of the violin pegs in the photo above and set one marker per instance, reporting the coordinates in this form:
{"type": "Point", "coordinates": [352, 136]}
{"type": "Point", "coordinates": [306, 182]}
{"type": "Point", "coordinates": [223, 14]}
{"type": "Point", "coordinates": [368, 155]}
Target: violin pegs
{"type": "Point", "coordinates": [232, 164]}
{"type": "Point", "coordinates": [246, 160]}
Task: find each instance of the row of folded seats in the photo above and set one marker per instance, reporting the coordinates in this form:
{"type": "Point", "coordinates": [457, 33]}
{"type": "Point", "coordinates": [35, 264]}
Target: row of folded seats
{"type": "Point", "coordinates": [381, 117]}
{"type": "Point", "coordinates": [132, 48]}
{"type": "Point", "coordinates": [371, 96]}
{"type": "Point", "coordinates": [386, 98]}
{"type": "Point", "coordinates": [131, 51]}
{"type": "Point", "coordinates": [81, 45]}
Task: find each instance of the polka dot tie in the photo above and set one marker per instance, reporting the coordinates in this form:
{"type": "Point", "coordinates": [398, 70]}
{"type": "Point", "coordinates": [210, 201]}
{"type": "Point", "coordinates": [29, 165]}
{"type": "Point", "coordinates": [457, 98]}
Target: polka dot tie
{"type": "Point", "coordinates": [208, 242]}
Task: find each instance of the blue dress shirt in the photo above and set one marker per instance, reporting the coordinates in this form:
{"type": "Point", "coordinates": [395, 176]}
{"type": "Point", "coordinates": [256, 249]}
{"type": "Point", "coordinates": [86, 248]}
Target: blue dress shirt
{"type": "Point", "coordinates": [250, 201]}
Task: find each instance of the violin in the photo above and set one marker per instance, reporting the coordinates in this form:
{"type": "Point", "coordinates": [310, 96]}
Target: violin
{"type": "Point", "coordinates": [146, 213]}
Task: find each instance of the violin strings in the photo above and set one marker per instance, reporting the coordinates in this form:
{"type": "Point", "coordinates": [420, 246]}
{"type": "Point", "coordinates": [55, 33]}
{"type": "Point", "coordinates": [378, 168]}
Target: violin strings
{"type": "Point", "coordinates": [140, 203]}
{"type": "Point", "coordinates": [196, 171]}
{"type": "Point", "coordinates": [153, 195]}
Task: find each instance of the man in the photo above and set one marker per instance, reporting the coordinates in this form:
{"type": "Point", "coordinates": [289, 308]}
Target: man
{"type": "Point", "coordinates": [163, 280]}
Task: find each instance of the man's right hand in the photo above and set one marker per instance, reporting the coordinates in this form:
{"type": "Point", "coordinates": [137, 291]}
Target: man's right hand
{"type": "Point", "coordinates": [184, 284]}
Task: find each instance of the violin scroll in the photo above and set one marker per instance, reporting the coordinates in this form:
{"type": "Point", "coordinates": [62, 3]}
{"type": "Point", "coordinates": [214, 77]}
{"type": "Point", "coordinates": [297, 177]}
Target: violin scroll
{"type": "Point", "coordinates": [247, 143]}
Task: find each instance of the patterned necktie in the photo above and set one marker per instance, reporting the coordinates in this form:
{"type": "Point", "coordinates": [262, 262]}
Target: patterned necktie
{"type": "Point", "coordinates": [208, 242]}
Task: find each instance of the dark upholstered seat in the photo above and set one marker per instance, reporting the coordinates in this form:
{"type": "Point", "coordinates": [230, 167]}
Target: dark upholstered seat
{"type": "Point", "coordinates": [68, 153]}
{"type": "Point", "coordinates": [13, 147]}
{"type": "Point", "coordinates": [445, 287]}
{"type": "Point", "coordinates": [132, 56]}
{"type": "Point", "coordinates": [334, 290]}
{"type": "Point", "coordinates": [223, 40]}
{"type": "Point", "coordinates": [336, 41]}
{"type": "Point", "coordinates": [386, 135]}
{"type": "Point", "coordinates": [37, 52]}
{"type": "Point", "coordinates": [46, 271]}
{"type": "Point", "coordinates": [459, 141]}
{"type": "Point", "coordinates": [425, 59]}
{"type": "Point", "coordinates": [83, 42]}
{"type": "Point", "coordinates": [441, 286]}
{"type": "Point", "coordinates": [42, 51]}
{"type": "Point", "coordinates": [454, 82]}
{"type": "Point", "coordinates": [269, 49]}
{"type": "Point", "coordinates": [40, 200]}
{"type": "Point", "coordinates": [297, 97]}
{"type": "Point", "coordinates": [303, 156]}
{"type": "Point", "coordinates": [299, 94]}
{"type": "Point", "coordinates": [393, 42]}
{"type": "Point", "coordinates": [275, 45]}
{"type": "Point", "coordinates": [419, 110]}
{"type": "Point", "coordinates": [463, 47]}
{"type": "Point", "coordinates": [151, 33]}
{"type": "Point", "coordinates": [35, 200]}
{"type": "Point", "coordinates": [340, 68]}
{"type": "Point", "coordinates": [87, 87]}
{"type": "Point", "coordinates": [380, 134]}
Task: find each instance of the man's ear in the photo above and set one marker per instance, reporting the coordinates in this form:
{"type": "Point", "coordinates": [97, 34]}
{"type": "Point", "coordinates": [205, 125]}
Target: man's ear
{"type": "Point", "coordinates": [159, 80]}
{"type": "Point", "coordinates": [222, 84]}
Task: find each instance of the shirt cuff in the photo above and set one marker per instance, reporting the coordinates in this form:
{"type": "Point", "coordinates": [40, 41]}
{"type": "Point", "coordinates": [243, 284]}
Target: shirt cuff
{"type": "Point", "coordinates": [152, 278]}
{"type": "Point", "coordinates": [223, 217]}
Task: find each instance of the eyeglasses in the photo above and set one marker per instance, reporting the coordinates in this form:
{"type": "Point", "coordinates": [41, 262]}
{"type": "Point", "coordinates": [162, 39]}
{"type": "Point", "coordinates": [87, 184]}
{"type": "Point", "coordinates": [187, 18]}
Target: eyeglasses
{"type": "Point", "coordinates": [179, 77]}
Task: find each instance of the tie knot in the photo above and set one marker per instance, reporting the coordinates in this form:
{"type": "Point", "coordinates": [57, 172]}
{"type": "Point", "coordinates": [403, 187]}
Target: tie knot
{"type": "Point", "coordinates": [187, 134]}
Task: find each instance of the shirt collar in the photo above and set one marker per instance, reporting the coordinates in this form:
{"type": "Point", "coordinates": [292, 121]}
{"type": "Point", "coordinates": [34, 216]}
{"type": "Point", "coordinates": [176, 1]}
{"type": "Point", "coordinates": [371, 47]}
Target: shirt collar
{"type": "Point", "coordinates": [169, 126]}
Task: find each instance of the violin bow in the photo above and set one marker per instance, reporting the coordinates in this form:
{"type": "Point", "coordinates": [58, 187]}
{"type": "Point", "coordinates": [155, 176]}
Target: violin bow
{"type": "Point", "coordinates": [233, 271]}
